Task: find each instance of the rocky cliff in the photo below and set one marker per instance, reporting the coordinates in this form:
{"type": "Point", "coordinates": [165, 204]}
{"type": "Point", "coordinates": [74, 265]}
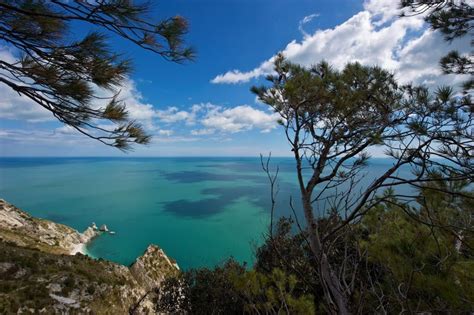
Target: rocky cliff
{"type": "Point", "coordinates": [38, 274]}
{"type": "Point", "coordinates": [18, 227]}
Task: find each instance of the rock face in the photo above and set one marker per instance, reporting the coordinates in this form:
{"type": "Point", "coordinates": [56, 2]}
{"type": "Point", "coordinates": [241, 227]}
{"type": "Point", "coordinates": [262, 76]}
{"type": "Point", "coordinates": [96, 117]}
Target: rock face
{"type": "Point", "coordinates": [88, 235]}
{"type": "Point", "coordinates": [153, 267]}
{"type": "Point", "coordinates": [17, 226]}
{"type": "Point", "coordinates": [36, 276]}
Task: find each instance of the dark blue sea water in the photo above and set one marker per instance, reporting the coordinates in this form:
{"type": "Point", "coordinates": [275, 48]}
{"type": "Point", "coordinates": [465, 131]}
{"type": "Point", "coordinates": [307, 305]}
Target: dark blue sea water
{"type": "Point", "coordinates": [199, 210]}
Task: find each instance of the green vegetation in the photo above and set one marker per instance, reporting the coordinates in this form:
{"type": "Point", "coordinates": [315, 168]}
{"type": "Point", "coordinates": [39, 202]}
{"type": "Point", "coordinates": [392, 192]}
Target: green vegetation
{"type": "Point", "coordinates": [28, 277]}
{"type": "Point", "coordinates": [65, 75]}
{"type": "Point", "coordinates": [406, 266]}
{"type": "Point", "coordinates": [363, 247]}
{"type": "Point", "coordinates": [331, 120]}
{"type": "Point", "coordinates": [454, 19]}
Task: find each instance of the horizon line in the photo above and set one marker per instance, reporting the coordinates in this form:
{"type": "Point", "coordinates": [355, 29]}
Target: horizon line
{"type": "Point", "coordinates": [158, 156]}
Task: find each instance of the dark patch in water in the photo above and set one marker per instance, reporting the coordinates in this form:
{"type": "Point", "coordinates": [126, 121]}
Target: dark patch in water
{"type": "Point", "coordinates": [196, 209]}
{"type": "Point", "coordinates": [283, 165]}
{"type": "Point", "coordinates": [188, 177]}
{"type": "Point", "coordinates": [259, 195]}
{"type": "Point", "coordinates": [35, 162]}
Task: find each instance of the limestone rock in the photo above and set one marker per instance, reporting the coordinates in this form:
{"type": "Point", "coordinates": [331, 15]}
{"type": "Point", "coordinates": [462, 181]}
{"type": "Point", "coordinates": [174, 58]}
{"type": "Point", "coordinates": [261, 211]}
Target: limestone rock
{"type": "Point", "coordinates": [19, 227]}
{"type": "Point", "coordinates": [66, 284]}
{"type": "Point", "coordinates": [153, 267]}
{"type": "Point", "coordinates": [89, 234]}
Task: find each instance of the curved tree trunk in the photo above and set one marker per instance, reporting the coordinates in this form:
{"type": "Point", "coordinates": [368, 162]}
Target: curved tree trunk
{"type": "Point", "coordinates": [333, 288]}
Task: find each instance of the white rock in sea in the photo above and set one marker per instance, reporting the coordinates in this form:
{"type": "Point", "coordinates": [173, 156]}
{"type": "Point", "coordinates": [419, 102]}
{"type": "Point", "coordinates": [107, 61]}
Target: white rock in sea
{"type": "Point", "coordinates": [88, 235]}
{"type": "Point", "coordinates": [104, 228]}
{"type": "Point", "coordinates": [112, 232]}
{"type": "Point", "coordinates": [94, 226]}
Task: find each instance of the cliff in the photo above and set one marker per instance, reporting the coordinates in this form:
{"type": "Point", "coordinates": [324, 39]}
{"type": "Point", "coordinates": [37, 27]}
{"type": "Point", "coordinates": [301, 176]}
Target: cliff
{"type": "Point", "coordinates": [18, 227]}
{"type": "Point", "coordinates": [38, 274]}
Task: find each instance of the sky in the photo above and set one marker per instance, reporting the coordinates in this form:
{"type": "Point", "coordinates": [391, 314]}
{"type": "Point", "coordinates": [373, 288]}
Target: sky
{"type": "Point", "coordinates": [205, 107]}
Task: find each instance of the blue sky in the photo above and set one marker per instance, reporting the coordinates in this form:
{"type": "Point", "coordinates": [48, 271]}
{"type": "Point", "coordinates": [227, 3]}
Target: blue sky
{"type": "Point", "coordinates": [205, 108]}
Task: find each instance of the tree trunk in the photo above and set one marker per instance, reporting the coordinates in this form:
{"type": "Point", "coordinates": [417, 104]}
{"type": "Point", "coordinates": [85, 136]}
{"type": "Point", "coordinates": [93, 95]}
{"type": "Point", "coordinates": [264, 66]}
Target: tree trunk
{"type": "Point", "coordinates": [333, 288]}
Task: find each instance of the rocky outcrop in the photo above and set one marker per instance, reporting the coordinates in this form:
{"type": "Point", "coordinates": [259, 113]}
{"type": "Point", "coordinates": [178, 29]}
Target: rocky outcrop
{"type": "Point", "coordinates": [17, 226]}
{"type": "Point", "coordinates": [153, 267]}
{"type": "Point", "coordinates": [35, 279]}
{"type": "Point", "coordinates": [88, 235]}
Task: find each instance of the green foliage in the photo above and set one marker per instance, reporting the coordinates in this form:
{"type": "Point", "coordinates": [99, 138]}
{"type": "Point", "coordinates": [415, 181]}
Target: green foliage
{"type": "Point", "coordinates": [416, 258]}
{"type": "Point", "coordinates": [231, 289]}
{"type": "Point", "coordinates": [421, 264]}
{"type": "Point", "coordinates": [454, 18]}
{"type": "Point", "coordinates": [424, 254]}
{"type": "Point", "coordinates": [205, 291]}
{"type": "Point", "coordinates": [65, 76]}
{"type": "Point", "coordinates": [27, 277]}
{"type": "Point", "coordinates": [273, 293]}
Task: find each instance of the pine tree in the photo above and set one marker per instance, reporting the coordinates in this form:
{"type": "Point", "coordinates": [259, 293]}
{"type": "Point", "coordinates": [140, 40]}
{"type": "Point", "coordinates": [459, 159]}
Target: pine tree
{"type": "Point", "coordinates": [63, 75]}
{"type": "Point", "coordinates": [332, 119]}
{"type": "Point", "coordinates": [454, 18]}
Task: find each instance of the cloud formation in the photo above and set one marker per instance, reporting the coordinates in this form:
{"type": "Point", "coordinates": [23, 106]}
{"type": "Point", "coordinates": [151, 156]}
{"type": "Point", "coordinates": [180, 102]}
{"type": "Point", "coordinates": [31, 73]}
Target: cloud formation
{"type": "Point", "coordinates": [202, 132]}
{"type": "Point", "coordinates": [214, 118]}
{"type": "Point", "coordinates": [208, 118]}
{"type": "Point", "coordinates": [18, 107]}
{"type": "Point", "coordinates": [173, 114]}
{"type": "Point", "coordinates": [240, 118]}
{"type": "Point", "coordinates": [374, 36]}
{"type": "Point", "coordinates": [304, 21]}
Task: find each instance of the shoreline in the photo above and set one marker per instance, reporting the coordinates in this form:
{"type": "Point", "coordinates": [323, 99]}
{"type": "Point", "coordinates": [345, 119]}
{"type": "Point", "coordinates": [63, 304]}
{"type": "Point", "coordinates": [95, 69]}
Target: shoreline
{"type": "Point", "coordinates": [85, 238]}
{"type": "Point", "coordinates": [79, 248]}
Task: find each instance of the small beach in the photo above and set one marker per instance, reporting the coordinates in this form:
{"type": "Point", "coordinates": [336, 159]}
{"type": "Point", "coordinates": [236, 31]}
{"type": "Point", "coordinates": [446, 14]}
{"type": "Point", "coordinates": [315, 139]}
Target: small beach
{"type": "Point", "coordinates": [79, 248]}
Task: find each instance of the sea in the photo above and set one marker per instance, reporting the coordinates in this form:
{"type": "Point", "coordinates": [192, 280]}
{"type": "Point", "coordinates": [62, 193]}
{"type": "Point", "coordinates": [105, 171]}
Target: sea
{"type": "Point", "coordinates": [201, 210]}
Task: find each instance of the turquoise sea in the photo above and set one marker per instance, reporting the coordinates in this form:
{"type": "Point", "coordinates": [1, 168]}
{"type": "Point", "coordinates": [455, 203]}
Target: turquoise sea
{"type": "Point", "coordinates": [199, 210]}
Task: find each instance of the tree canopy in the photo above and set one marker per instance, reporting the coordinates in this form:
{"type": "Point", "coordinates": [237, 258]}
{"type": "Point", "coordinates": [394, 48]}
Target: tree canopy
{"type": "Point", "coordinates": [331, 119]}
{"type": "Point", "coordinates": [454, 19]}
{"type": "Point", "coordinates": [365, 245]}
{"type": "Point", "coordinates": [64, 75]}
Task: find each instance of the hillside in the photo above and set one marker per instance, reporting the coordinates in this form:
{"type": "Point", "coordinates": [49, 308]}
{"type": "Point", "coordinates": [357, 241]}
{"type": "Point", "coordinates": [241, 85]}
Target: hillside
{"type": "Point", "coordinates": [38, 274]}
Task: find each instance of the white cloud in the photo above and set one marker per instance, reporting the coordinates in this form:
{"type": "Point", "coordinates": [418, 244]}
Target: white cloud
{"type": "Point", "coordinates": [240, 118]}
{"type": "Point", "coordinates": [18, 107]}
{"type": "Point", "coordinates": [213, 118]}
{"type": "Point", "coordinates": [63, 135]}
{"type": "Point", "coordinates": [137, 108]}
{"type": "Point", "coordinates": [374, 36]}
{"type": "Point", "coordinates": [304, 21]}
{"type": "Point", "coordinates": [419, 60]}
{"type": "Point", "coordinates": [165, 132]}
{"type": "Point", "coordinates": [65, 130]}
{"type": "Point", "coordinates": [202, 132]}
{"type": "Point", "coordinates": [66, 136]}
{"type": "Point", "coordinates": [14, 105]}
{"type": "Point", "coordinates": [382, 10]}
{"type": "Point", "coordinates": [173, 114]}
{"type": "Point", "coordinates": [173, 139]}
{"type": "Point", "coordinates": [236, 76]}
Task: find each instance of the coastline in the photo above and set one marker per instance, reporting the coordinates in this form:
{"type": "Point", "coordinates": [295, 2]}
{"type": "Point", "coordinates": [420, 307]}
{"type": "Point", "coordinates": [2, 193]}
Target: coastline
{"type": "Point", "coordinates": [86, 237]}
{"type": "Point", "coordinates": [79, 248]}
{"type": "Point", "coordinates": [34, 255]}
